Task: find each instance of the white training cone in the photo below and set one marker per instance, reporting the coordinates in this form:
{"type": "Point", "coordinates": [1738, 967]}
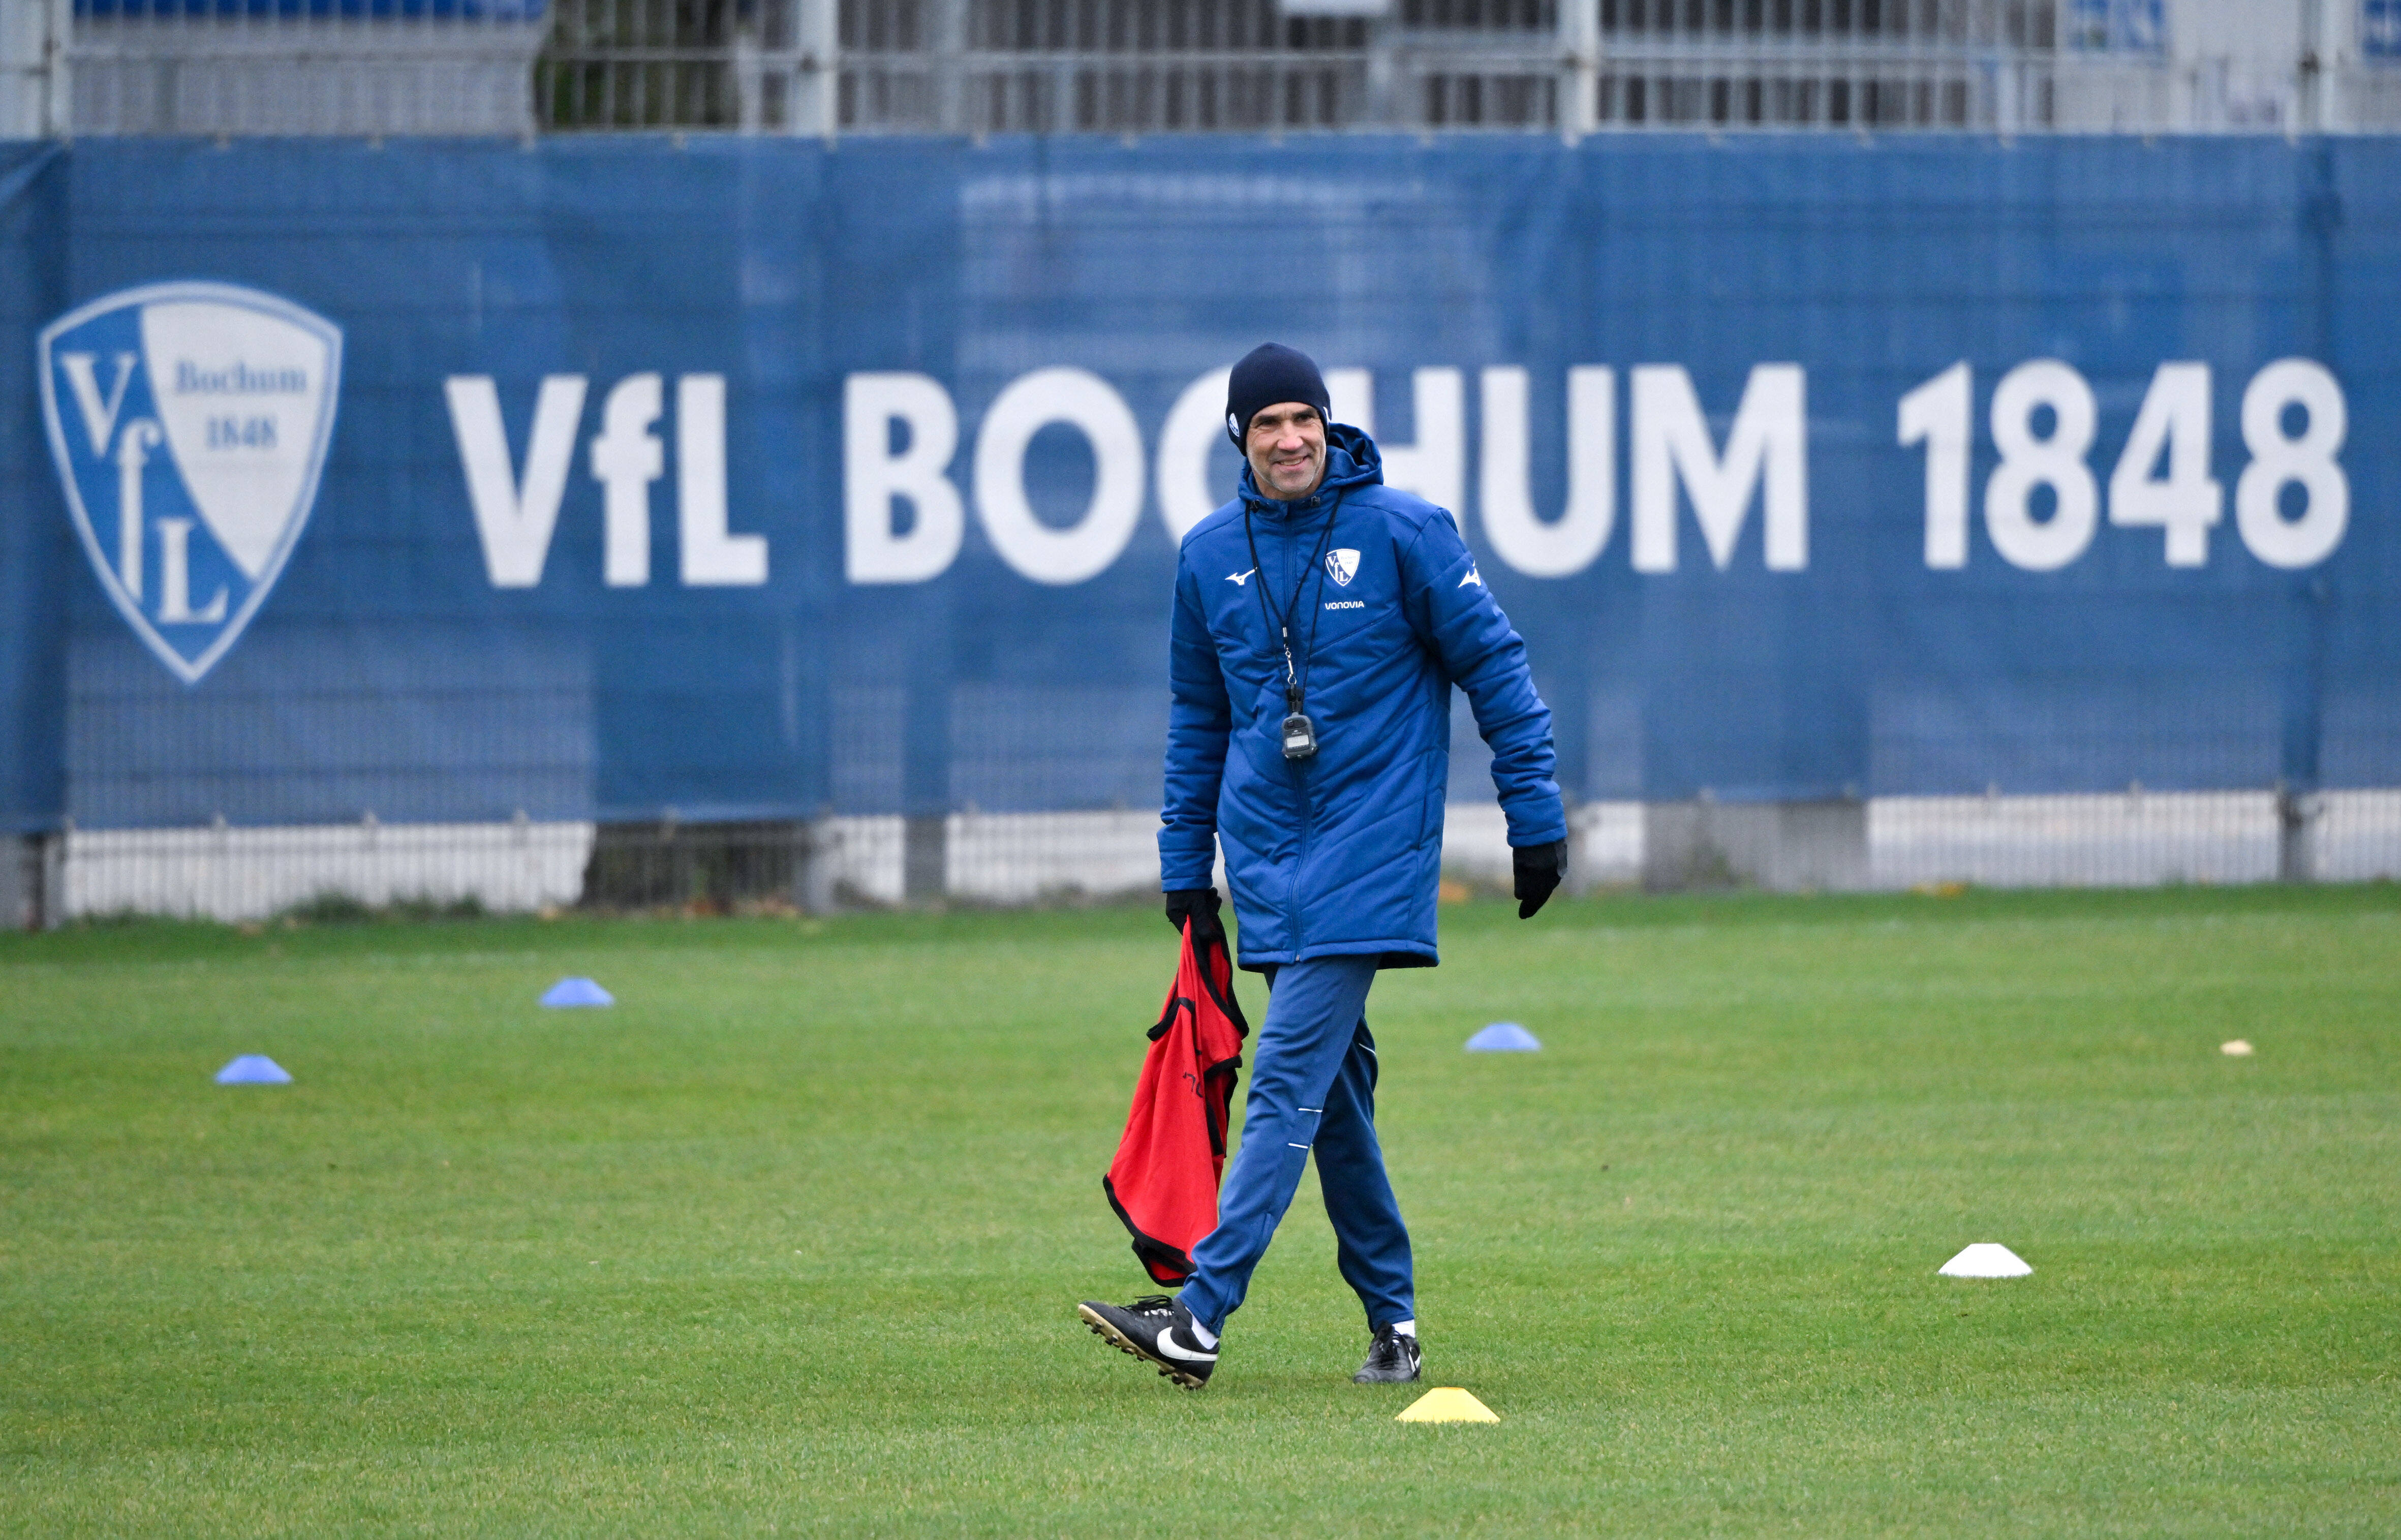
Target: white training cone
{"type": "Point", "coordinates": [2238, 1049]}
{"type": "Point", "coordinates": [1986, 1259]}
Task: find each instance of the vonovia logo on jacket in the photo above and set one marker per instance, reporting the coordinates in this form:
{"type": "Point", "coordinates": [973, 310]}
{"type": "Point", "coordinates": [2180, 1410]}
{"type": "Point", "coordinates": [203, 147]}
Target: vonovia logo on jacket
{"type": "Point", "coordinates": [189, 424]}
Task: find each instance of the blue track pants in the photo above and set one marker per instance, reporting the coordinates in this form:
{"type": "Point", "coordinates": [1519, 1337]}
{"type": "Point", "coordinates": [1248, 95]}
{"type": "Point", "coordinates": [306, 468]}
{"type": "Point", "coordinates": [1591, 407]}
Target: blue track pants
{"type": "Point", "coordinates": [1312, 1083]}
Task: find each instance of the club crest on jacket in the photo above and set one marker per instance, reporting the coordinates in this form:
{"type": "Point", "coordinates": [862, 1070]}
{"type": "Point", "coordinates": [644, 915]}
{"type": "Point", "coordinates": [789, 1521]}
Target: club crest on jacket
{"type": "Point", "coordinates": [1342, 565]}
{"type": "Point", "coordinates": [189, 424]}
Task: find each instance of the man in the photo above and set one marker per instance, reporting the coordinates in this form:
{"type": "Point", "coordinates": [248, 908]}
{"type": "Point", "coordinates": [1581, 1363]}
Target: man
{"type": "Point", "coordinates": [1321, 619]}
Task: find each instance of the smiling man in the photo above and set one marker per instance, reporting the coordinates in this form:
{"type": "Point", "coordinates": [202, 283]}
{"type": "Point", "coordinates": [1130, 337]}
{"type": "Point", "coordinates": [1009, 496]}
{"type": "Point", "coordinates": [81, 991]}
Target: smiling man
{"type": "Point", "coordinates": [1321, 620]}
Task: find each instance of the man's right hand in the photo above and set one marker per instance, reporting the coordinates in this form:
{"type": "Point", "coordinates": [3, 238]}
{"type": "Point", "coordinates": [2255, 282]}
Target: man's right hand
{"type": "Point", "coordinates": [1199, 906]}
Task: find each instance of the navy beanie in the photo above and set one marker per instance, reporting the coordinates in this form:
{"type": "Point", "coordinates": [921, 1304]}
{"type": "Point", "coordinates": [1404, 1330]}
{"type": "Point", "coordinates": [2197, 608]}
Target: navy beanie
{"type": "Point", "coordinates": [1267, 375]}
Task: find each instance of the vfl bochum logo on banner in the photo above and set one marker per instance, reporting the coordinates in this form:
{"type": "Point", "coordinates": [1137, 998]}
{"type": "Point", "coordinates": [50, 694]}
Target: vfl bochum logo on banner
{"type": "Point", "coordinates": [189, 424]}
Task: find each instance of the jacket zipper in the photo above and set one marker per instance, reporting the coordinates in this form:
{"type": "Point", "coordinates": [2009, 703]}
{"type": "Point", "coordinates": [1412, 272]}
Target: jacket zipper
{"type": "Point", "coordinates": [1306, 817]}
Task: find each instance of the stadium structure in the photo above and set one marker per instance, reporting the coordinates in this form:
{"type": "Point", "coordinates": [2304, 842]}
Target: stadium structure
{"type": "Point", "coordinates": [1342, 77]}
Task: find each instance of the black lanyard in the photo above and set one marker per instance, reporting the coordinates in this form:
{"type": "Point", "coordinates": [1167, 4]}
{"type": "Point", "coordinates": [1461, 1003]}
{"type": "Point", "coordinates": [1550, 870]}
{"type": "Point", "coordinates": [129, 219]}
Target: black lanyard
{"type": "Point", "coordinates": [1296, 684]}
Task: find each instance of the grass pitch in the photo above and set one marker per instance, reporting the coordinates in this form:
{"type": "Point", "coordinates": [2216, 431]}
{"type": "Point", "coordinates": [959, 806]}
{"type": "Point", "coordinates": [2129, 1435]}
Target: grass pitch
{"type": "Point", "coordinates": [789, 1240]}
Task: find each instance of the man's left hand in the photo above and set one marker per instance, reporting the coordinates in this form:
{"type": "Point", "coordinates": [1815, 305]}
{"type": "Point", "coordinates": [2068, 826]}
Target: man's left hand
{"type": "Point", "coordinates": [1540, 869]}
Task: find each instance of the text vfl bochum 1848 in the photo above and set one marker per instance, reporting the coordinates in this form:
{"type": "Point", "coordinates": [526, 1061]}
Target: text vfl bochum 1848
{"type": "Point", "coordinates": [189, 424]}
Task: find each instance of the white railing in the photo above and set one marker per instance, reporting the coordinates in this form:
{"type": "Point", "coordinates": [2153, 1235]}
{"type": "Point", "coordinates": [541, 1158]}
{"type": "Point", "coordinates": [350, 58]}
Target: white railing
{"type": "Point", "coordinates": [34, 68]}
{"type": "Point", "coordinates": [2129, 839]}
{"type": "Point", "coordinates": [318, 67]}
{"type": "Point", "coordinates": [976, 67]}
{"type": "Point", "coordinates": [754, 66]}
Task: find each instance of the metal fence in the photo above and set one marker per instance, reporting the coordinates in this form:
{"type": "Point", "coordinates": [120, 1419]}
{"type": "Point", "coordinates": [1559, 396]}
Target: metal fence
{"type": "Point", "coordinates": [1041, 66]}
{"type": "Point", "coordinates": [1116, 66]}
{"type": "Point", "coordinates": [976, 67]}
{"type": "Point", "coordinates": [740, 65]}
{"type": "Point", "coordinates": [244, 67]}
{"type": "Point", "coordinates": [1785, 63]}
{"type": "Point", "coordinates": [1147, 66]}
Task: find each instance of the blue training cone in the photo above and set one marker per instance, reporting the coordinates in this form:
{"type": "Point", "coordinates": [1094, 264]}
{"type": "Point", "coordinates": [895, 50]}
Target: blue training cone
{"type": "Point", "coordinates": [1504, 1037]}
{"type": "Point", "coordinates": [253, 1069]}
{"type": "Point", "coordinates": [568, 993]}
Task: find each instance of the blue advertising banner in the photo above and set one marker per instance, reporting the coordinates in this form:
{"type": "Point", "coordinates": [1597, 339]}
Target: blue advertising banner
{"type": "Point", "coordinates": [746, 478]}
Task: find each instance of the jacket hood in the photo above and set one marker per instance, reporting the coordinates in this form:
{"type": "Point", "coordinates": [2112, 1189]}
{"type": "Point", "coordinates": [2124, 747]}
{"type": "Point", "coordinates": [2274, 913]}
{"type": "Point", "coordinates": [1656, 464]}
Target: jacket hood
{"type": "Point", "coordinates": [1350, 460]}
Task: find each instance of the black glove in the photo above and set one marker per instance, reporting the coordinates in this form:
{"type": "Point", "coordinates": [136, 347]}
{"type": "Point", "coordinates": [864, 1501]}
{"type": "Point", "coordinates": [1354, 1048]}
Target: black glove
{"type": "Point", "coordinates": [1199, 906]}
{"type": "Point", "coordinates": [1539, 869]}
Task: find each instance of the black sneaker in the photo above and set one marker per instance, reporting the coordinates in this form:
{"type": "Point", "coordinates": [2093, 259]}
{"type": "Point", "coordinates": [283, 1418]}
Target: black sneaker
{"type": "Point", "coordinates": [1156, 1330]}
{"type": "Point", "coordinates": [1391, 1360]}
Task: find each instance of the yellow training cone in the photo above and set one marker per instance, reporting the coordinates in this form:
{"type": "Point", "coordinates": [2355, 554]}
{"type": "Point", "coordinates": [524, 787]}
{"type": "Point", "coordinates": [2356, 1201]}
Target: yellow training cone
{"type": "Point", "coordinates": [1449, 1404]}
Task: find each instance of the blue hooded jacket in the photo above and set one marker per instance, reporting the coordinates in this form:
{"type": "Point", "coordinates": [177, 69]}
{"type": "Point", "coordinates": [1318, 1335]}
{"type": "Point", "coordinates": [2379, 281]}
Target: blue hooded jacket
{"type": "Point", "coordinates": [1340, 854]}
